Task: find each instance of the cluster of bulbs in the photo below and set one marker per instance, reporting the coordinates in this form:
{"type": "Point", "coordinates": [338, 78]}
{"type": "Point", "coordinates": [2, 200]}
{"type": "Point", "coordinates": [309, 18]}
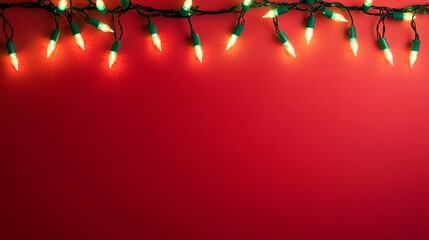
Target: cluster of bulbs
{"type": "Point", "coordinates": [246, 5]}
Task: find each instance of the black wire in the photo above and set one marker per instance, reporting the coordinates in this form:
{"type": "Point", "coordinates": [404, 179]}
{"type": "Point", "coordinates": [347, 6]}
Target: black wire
{"type": "Point", "coordinates": [414, 27]}
{"type": "Point", "coordinates": [190, 25]}
{"type": "Point", "coordinates": [7, 25]}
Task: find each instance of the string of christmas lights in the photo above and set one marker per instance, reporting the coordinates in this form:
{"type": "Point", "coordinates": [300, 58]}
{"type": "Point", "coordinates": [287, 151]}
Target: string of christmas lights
{"type": "Point", "coordinates": [65, 9]}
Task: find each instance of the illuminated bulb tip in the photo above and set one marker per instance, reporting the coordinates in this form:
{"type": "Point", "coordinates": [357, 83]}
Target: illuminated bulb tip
{"type": "Point", "coordinates": [100, 5]}
{"type": "Point", "coordinates": [112, 58]}
{"type": "Point", "coordinates": [14, 60]}
{"type": "Point", "coordinates": [290, 48]}
{"type": "Point", "coordinates": [413, 57]}
{"type": "Point", "coordinates": [104, 27]}
{"type": "Point", "coordinates": [79, 41]}
{"type": "Point", "coordinates": [409, 16]}
{"type": "Point", "coordinates": [389, 56]}
{"type": "Point", "coordinates": [270, 14]}
{"type": "Point", "coordinates": [51, 48]}
{"type": "Point", "coordinates": [199, 53]}
{"type": "Point", "coordinates": [339, 18]}
{"type": "Point", "coordinates": [187, 5]}
{"type": "Point", "coordinates": [232, 40]}
{"type": "Point", "coordinates": [62, 5]}
{"type": "Point", "coordinates": [354, 46]}
{"type": "Point", "coordinates": [309, 34]}
{"type": "Point", "coordinates": [156, 41]}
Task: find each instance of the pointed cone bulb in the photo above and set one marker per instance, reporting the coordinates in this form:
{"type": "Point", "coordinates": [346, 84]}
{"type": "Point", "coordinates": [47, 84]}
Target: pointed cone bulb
{"type": "Point", "coordinates": [309, 34]}
{"type": "Point", "coordinates": [289, 48]}
{"type": "Point", "coordinates": [338, 17]}
{"type": "Point", "coordinates": [413, 57]}
{"type": "Point", "coordinates": [62, 5]}
{"type": "Point", "coordinates": [409, 16]}
{"type": "Point", "coordinates": [104, 27]}
{"type": "Point", "coordinates": [112, 58]}
{"type": "Point", "coordinates": [388, 55]}
{"type": "Point", "coordinates": [156, 41]}
{"type": "Point", "coordinates": [354, 46]}
{"type": "Point", "coordinates": [187, 5]}
{"type": "Point", "coordinates": [199, 52]}
{"type": "Point", "coordinates": [79, 41]}
{"type": "Point", "coordinates": [270, 14]}
{"type": "Point", "coordinates": [100, 5]}
{"type": "Point", "coordinates": [231, 41]}
{"type": "Point", "coordinates": [14, 60]}
{"type": "Point", "coordinates": [51, 47]}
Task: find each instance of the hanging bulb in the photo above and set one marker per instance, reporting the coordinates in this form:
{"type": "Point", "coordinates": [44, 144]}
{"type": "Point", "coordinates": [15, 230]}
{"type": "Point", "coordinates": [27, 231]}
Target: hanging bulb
{"type": "Point", "coordinates": [125, 3]}
{"type": "Point", "coordinates": [366, 5]}
{"type": "Point", "coordinates": [52, 42]}
{"type": "Point", "coordinates": [12, 54]}
{"type": "Point", "coordinates": [246, 5]}
{"type": "Point", "coordinates": [334, 15]}
{"type": "Point", "coordinates": [353, 40]}
{"type": "Point", "coordinates": [76, 33]}
{"type": "Point", "coordinates": [310, 28]}
{"type": "Point", "coordinates": [154, 34]}
{"type": "Point", "coordinates": [284, 39]}
{"type": "Point", "coordinates": [414, 51]}
{"type": "Point", "coordinates": [114, 53]}
{"type": "Point", "coordinates": [197, 46]}
{"type": "Point", "coordinates": [407, 16]}
{"type": "Point", "coordinates": [100, 6]}
{"type": "Point", "coordinates": [187, 5]}
{"type": "Point", "coordinates": [276, 12]}
{"type": "Point", "coordinates": [234, 36]}
{"type": "Point", "coordinates": [309, 2]}
{"type": "Point", "coordinates": [100, 25]}
{"type": "Point", "coordinates": [62, 5]}
{"type": "Point", "coordinates": [386, 49]}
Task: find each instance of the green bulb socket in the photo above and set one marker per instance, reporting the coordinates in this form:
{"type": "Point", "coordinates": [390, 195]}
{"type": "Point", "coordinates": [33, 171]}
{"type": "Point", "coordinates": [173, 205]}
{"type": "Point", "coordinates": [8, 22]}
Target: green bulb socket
{"type": "Point", "coordinates": [10, 47]}
{"type": "Point", "coordinates": [365, 8]}
{"type": "Point", "coordinates": [282, 36]}
{"type": "Point", "coordinates": [94, 22]}
{"type": "Point", "coordinates": [309, 2]}
{"type": "Point", "coordinates": [311, 21]}
{"type": "Point", "coordinates": [383, 43]}
{"type": "Point", "coordinates": [125, 3]}
{"type": "Point", "coordinates": [328, 13]}
{"type": "Point", "coordinates": [398, 16]}
{"type": "Point", "coordinates": [238, 30]}
{"type": "Point", "coordinates": [352, 32]}
{"type": "Point", "coordinates": [196, 39]}
{"type": "Point", "coordinates": [55, 35]}
{"type": "Point", "coordinates": [282, 10]}
{"type": "Point", "coordinates": [244, 8]}
{"type": "Point", "coordinates": [74, 28]}
{"type": "Point", "coordinates": [115, 47]}
{"type": "Point", "coordinates": [152, 28]}
{"type": "Point", "coordinates": [416, 45]}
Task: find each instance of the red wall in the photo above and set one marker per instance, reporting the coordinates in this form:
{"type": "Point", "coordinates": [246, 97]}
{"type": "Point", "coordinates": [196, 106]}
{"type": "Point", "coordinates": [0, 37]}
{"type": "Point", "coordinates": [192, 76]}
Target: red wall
{"type": "Point", "coordinates": [251, 144]}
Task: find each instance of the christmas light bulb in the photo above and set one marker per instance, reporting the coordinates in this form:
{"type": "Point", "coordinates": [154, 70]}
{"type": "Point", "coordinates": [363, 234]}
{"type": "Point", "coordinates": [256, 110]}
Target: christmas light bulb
{"type": "Point", "coordinates": [52, 42]}
{"type": "Point", "coordinates": [414, 51]}
{"type": "Point", "coordinates": [100, 25]}
{"type": "Point", "coordinates": [100, 6]}
{"type": "Point", "coordinates": [12, 54]}
{"type": "Point", "coordinates": [246, 5]}
{"type": "Point", "coordinates": [285, 41]}
{"type": "Point", "coordinates": [276, 12]}
{"type": "Point", "coordinates": [76, 33]}
{"type": "Point", "coordinates": [366, 5]}
{"type": "Point", "coordinates": [309, 2]}
{"type": "Point", "coordinates": [125, 3]}
{"type": "Point", "coordinates": [154, 34]}
{"type": "Point", "coordinates": [353, 40]}
{"type": "Point", "coordinates": [187, 5]}
{"type": "Point", "coordinates": [386, 49]}
{"type": "Point", "coordinates": [334, 16]}
{"type": "Point", "coordinates": [114, 53]}
{"type": "Point", "coordinates": [234, 37]}
{"type": "Point", "coordinates": [310, 28]}
{"type": "Point", "coordinates": [407, 16]}
{"type": "Point", "coordinates": [197, 47]}
{"type": "Point", "coordinates": [62, 5]}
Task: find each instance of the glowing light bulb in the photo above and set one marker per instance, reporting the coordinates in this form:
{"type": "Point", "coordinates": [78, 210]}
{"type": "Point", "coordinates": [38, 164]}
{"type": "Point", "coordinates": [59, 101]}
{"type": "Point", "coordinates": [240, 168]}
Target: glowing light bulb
{"type": "Point", "coordinates": [407, 16]}
{"type": "Point", "coordinates": [114, 53]}
{"type": "Point", "coordinates": [276, 12]}
{"type": "Point", "coordinates": [285, 41]}
{"type": "Point", "coordinates": [62, 5]}
{"type": "Point", "coordinates": [12, 54]}
{"type": "Point", "coordinates": [52, 42]}
{"type": "Point", "coordinates": [366, 5]}
{"type": "Point", "coordinates": [246, 5]}
{"type": "Point", "coordinates": [101, 6]}
{"type": "Point", "coordinates": [154, 35]}
{"type": "Point", "coordinates": [77, 36]}
{"type": "Point", "coordinates": [310, 28]}
{"type": "Point", "coordinates": [197, 47]}
{"type": "Point", "coordinates": [234, 36]}
{"type": "Point", "coordinates": [334, 16]}
{"type": "Point", "coordinates": [414, 51]}
{"type": "Point", "coordinates": [187, 5]}
{"type": "Point", "coordinates": [100, 25]}
{"type": "Point", "coordinates": [386, 49]}
{"type": "Point", "coordinates": [353, 40]}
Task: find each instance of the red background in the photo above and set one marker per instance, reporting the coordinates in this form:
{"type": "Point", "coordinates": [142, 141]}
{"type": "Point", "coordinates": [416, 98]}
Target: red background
{"type": "Point", "coordinates": [251, 144]}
